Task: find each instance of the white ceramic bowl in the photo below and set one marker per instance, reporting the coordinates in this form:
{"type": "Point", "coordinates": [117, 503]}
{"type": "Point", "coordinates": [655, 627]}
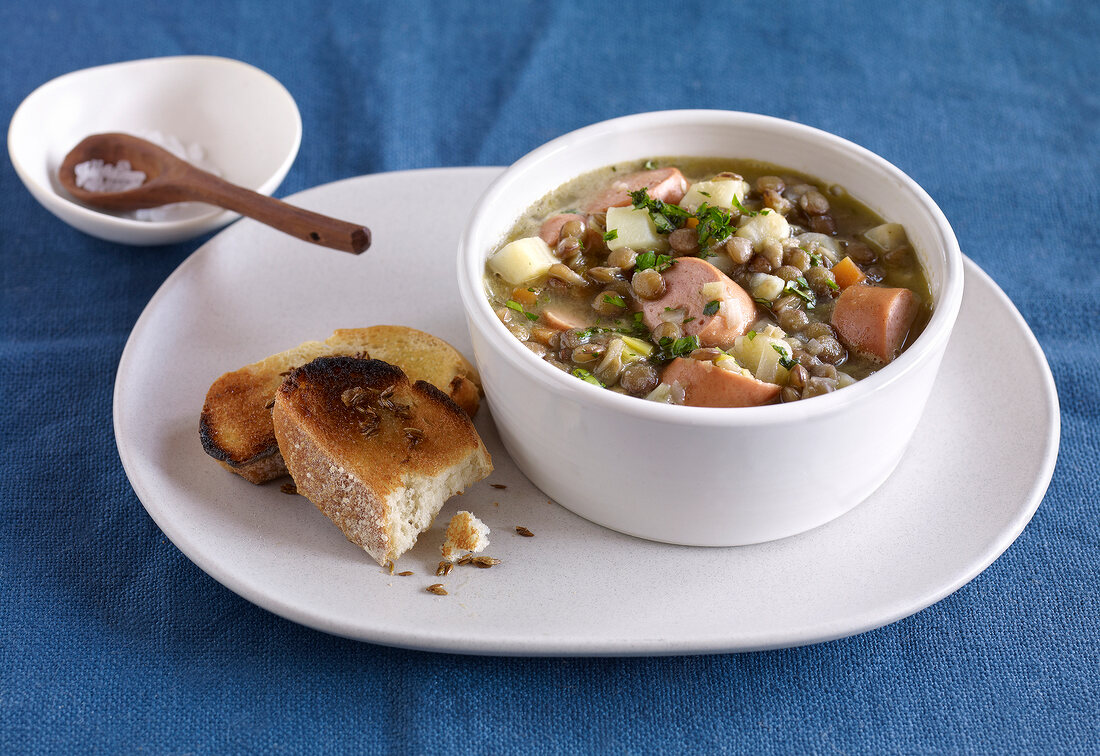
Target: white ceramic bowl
{"type": "Point", "coordinates": [245, 120]}
{"type": "Point", "coordinates": [691, 475]}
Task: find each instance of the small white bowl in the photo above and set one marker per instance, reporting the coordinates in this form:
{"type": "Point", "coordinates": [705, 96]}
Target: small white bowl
{"type": "Point", "coordinates": [245, 120]}
{"type": "Point", "coordinates": [692, 475]}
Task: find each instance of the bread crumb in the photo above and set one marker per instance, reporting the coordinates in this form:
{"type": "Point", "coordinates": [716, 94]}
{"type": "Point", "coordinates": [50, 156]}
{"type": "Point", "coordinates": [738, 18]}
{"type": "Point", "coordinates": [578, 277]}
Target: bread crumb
{"type": "Point", "coordinates": [464, 533]}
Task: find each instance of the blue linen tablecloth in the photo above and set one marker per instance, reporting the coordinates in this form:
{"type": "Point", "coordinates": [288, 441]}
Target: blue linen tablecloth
{"type": "Point", "coordinates": [111, 641]}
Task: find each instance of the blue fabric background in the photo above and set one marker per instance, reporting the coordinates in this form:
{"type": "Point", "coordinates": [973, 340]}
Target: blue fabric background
{"type": "Point", "coordinates": [112, 642]}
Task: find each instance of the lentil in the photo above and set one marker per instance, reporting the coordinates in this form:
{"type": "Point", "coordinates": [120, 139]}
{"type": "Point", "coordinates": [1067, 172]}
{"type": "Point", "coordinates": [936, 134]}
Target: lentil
{"type": "Point", "coordinates": [648, 284]}
{"type": "Point", "coordinates": [739, 249]}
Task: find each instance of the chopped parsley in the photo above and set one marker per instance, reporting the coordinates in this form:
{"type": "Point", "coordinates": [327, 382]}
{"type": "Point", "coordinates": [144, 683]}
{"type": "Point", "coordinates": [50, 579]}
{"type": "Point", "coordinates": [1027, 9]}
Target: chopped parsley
{"type": "Point", "coordinates": [650, 165]}
{"type": "Point", "coordinates": [614, 299]}
{"type": "Point", "coordinates": [832, 284]}
{"type": "Point", "coordinates": [667, 218]}
{"type": "Point", "coordinates": [714, 224]}
{"type": "Point", "coordinates": [763, 302]}
{"type": "Point", "coordinates": [744, 210]}
{"type": "Point", "coordinates": [637, 327]}
{"type": "Point", "coordinates": [711, 307]}
{"type": "Point", "coordinates": [751, 335]}
{"type": "Point", "coordinates": [784, 358]}
{"type": "Point", "coordinates": [612, 234]}
{"type": "Point", "coordinates": [651, 259]}
{"type": "Point", "coordinates": [685, 345]}
{"type": "Point", "coordinates": [512, 304]}
{"type": "Point", "coordinates": [801, 289]}
{"type": "Point", "coordinates": [587, 377]}
{"type": "Point", "coordinates": [669, 348]}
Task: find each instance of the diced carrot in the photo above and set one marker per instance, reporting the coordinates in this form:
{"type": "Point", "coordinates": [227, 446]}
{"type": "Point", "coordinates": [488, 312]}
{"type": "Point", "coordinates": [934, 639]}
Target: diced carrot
{"type": "Point", "coordinates": [523, 295]}
{"type": "Point", "coordinates": [847, 273]}
{"type": "Point", "coordinates": [692, 222]}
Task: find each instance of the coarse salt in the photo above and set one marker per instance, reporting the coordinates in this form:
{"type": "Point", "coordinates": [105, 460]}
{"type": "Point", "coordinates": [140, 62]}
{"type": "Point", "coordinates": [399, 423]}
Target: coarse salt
{"type": "Point", "coordinates": [98, 176]}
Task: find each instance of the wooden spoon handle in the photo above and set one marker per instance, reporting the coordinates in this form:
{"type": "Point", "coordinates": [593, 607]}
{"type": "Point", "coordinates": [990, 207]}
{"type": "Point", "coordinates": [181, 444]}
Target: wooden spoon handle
{"type": "Point", "coordinates": [303, 224]}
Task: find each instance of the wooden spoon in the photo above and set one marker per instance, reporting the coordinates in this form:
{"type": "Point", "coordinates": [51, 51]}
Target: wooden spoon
{"type": "Point", "coordinates": [169, 179]}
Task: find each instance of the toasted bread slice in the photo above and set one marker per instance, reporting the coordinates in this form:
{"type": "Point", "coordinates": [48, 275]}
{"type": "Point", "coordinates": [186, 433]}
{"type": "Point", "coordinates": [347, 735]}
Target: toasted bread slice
{"type": "Point", "coordinates": [235, 425]}
{"type": "Point", "coordinates": [420, 355]}
{"type": "Point", "coordinates": [377, 454]}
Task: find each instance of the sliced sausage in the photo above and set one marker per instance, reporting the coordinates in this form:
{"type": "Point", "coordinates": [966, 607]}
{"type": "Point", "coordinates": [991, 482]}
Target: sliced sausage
{"type": "Point", "coordinates": [875, 320]}
{"type": "Point", "coordinates": [551, 227]}
{"type": "Point", "coordinates": [684, 283]}
{"type": "Point", "coordinates": [666, 184]}
{"type": "Point", "coordinates": [560, 320]}
{"type": "Point", "coordinates": [707, 385]}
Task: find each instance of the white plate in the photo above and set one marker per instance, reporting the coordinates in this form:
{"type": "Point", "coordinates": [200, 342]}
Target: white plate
{"type": "Point", "coordinates": [976, 470]}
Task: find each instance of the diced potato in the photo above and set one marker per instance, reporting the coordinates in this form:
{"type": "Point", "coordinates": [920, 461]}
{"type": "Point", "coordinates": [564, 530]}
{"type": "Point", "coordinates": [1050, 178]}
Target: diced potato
{"type": "Point", "coordinates": [747, 349]}
{"type": "Point", "coordinates": [887, 237]}
{"type": "Point", "coordinates": [662, 394]}
{"type": "Point", "coordinates": [769, 368]}
{"type": "Point", "coordinates": [827, 244]}
{"type": "Point", "coordinates": [713, 290]}
{"type": "Point", "coordinates": [724, 263]}
{"type": "Point", "coordinates": [522, 260]}
{"type": "Point", "coordinates": [768, 224]}
{"type": "Point", "coordinates": [718, 193]}
{"type": "Point", "coordinates": [634, 228]}
{"type": "Point", "coordinates": [759, 355]}
{"type": "Point", "coordinates": [766, 286]}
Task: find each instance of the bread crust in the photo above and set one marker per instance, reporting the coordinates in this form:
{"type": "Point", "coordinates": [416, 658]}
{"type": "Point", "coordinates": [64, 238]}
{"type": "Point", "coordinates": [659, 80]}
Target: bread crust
{"type": "Point", "coordinates": [362, 443]}
{"type": "Point", "coordinates": [235, 424]}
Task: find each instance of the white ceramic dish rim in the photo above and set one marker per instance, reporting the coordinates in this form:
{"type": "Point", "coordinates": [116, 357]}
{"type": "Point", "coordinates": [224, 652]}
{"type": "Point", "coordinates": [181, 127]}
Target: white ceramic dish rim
{"type": "Point", "coordinates": [472, 261]}
{"type": "Point", "coordinates": [209, 220]}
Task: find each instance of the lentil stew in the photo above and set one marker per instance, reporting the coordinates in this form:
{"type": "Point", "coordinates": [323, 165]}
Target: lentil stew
{"type": "Point", "coordinates": [721, 283]}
